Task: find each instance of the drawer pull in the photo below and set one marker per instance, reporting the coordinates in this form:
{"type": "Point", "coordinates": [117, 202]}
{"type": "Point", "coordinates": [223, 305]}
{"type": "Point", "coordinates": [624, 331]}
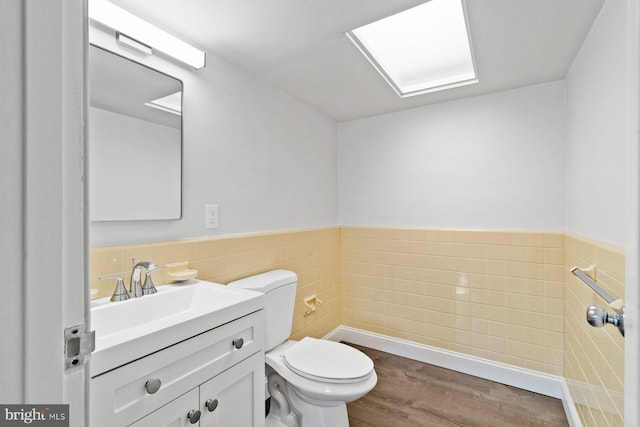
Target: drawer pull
{"type": "Point", "coordinates": [211, 404]}
{"type": "Point", "coordinates": [194, 416]}
{"type": "Point", "coordinates": [238, 343]}
{"type": "Point", "coordinates": [153, 385]}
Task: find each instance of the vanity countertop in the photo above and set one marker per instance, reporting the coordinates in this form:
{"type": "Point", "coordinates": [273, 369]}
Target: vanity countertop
{"type": "Point", "coordinates": [129, 330]}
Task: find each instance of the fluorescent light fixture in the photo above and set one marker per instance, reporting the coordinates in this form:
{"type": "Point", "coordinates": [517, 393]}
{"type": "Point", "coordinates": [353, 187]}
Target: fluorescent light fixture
{"type": "Point", "coordinates": [141, 31]}
{"type": "Point", "coordinates": [424, 49]}
{"type": "Point", "coordinates": [170, 103]}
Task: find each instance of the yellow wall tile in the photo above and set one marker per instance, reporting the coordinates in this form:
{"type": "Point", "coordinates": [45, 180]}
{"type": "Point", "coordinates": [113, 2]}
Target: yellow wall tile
{"type": "Point", "coordinates": [554, 240]}
{"type": "Point", "coordinates": [533, 254]}
{"type": "Point", "coordinates": [515, 301]}
{"type": "Point", "coordinates": [594, 358]}
{"type": "Point", "coordinates": [514, 253]}
{"type": "Point", "coordinates": [477, 236]}
{"type": "Point", "coordinates": [554, 256]}
{"type": "Point", "coordinates": [475, 283]}
{"type": "Point", "coordinates": [496, 252]}
{"type": "Point", "coordinates": [534, 239]}
{"type": "Point", "coordinates": [503, 295]}
{"type": "Point", "coordinates": [497, 238]}
{"type": "Point", "coordinates": [533, 271]}
{"type": "Point", "coordinates": [514, 239]}
{"type": "Point", "coordinates": [313, 254]}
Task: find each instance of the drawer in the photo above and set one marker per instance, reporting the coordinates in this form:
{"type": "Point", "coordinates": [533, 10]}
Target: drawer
{"type": "Point", "coordinates": [120, 397]}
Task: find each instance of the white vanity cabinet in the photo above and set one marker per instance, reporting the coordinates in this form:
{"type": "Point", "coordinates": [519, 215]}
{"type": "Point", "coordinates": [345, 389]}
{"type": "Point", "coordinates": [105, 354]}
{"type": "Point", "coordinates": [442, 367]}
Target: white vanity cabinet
{"type": "Point", "coordinates": [219, 373]}
{"type": "Point", "coordinates": [233, 398]}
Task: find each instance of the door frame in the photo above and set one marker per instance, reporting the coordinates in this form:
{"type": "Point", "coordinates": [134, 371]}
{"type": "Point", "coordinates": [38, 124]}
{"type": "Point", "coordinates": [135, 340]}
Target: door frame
{"type": "Point", "coordinates": [632, 249]}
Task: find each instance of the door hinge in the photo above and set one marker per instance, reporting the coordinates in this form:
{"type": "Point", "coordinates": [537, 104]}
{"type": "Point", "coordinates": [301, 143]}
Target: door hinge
{"type": "Point", "coordinates": [78, 345]}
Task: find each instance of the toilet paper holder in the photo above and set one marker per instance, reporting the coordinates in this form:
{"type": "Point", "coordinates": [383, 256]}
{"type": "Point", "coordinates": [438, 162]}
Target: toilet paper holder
{"type": "Point", "coordinates": [312, 302]}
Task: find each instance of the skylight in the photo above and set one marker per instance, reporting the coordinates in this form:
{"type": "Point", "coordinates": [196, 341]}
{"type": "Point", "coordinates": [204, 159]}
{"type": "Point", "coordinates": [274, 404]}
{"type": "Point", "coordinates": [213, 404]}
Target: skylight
{"type": "Point", "coordinates": [424, 49]}
{"type": "Point", "coordinates": [170, 103]}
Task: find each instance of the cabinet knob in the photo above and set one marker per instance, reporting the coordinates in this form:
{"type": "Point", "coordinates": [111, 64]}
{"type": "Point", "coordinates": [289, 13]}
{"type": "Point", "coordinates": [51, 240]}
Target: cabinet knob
{"type": "Point", "coordinates": [194, 416]}
{"type": "Point", "coordinates": [211, 404]}
{"type": "Point", "coordinates": [238, 343]}
{"type": "Point", "coordinates": [153, 385]}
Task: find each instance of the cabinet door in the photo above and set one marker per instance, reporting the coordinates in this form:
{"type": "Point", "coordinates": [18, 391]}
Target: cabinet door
{"type": "Point", "coordinates": [173, 414]}
{"type": "Point", "coordinates": [236, 396]}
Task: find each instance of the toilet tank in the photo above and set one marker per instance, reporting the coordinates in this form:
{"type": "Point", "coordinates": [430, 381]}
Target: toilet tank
{"type": "Point", "coordinates": [279, 289]}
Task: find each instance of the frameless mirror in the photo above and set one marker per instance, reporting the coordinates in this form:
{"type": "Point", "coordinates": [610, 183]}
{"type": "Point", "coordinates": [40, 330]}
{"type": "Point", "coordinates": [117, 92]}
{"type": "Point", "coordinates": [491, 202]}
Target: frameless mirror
{"type": "Point", "coordinates": [135, 140]}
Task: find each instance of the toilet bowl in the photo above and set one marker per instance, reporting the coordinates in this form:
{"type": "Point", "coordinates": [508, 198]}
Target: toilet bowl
{"type": "Point", "coordinates": [311, 380]}
{"type": "Point", "coordinates": [342, 374]}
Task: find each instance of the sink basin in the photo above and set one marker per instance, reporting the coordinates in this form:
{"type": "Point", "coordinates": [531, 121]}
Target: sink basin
{"type": "Point", "coordinates": [131, 329]}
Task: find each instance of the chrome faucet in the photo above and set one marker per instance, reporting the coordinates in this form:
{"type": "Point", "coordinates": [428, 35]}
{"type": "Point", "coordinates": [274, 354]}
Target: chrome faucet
{"type": "Point", "coordinates": [135, 286]}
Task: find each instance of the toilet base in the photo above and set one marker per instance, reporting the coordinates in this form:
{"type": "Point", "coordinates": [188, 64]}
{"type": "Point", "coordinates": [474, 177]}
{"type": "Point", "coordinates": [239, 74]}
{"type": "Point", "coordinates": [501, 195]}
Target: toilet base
{"type": "Point", "coordinates": [291, 409]}
{"type": "Point", "coordinates": [273, 421]}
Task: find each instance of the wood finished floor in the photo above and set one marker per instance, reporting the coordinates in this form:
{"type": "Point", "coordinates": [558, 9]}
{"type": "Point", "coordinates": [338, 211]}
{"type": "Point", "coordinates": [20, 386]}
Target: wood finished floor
{"type": "Point", "coordinates": [411, 393]}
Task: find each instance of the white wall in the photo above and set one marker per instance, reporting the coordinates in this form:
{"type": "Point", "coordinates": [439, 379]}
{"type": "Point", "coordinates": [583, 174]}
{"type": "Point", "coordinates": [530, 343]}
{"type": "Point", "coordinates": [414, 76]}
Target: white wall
{"type": "Point", "coordinates": [267, 160]}
{"type": "Point", "coordinates": [597, 118]}
{"type": "Point", "coordinates": [489, 162]}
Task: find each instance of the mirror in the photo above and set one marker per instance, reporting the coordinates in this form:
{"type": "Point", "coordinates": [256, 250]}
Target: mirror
{"type": "Point", "coordinates": [135, 140]}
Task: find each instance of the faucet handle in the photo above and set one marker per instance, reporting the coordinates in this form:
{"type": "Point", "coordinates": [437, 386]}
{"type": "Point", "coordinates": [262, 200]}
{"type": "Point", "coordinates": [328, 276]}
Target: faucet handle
{"type": "Point", "coordinates": [148, 288]}
{"type": "Point", "coordinates": [120, 292]}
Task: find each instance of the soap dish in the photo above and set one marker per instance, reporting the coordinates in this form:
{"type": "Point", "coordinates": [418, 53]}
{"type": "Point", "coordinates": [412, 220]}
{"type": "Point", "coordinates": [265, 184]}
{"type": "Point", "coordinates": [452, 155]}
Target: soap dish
{"type": "Point", "coordinates": [179, 272]}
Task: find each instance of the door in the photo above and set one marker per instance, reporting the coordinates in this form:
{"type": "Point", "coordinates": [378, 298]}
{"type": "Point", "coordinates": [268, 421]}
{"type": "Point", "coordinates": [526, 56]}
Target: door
{"type": "Point", "coordinates": [236, 396]}
{"type": "Point", "coordinates": [43, 225]}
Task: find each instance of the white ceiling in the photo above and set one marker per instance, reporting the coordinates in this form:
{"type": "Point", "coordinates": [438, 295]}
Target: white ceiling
{"type": "Point", "coordinates": [300, 46]}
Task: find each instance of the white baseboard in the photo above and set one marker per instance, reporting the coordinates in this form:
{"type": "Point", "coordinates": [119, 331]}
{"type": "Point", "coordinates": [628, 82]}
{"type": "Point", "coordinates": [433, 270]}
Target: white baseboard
{"type": "Point", "coordinates": [527, 379]}
{"type": "Point", "coordinates": [569, 406]}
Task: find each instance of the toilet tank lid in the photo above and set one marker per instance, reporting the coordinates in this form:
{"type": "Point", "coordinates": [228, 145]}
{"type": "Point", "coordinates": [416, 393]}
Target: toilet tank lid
{"type": "Point", "coordinates": [266, 282]}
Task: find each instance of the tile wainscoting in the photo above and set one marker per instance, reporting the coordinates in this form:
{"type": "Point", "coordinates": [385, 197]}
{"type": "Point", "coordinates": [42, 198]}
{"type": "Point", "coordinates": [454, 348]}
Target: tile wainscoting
{"type": "Point", "coordinates": [495, 295]}
{"type": "Point", "coordinates": [505, 296]}
{"type": "Point", "coordinates": [313, 254]}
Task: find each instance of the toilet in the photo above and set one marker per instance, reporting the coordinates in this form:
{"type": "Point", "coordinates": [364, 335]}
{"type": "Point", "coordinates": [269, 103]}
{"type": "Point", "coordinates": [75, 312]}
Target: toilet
{"type": "Point", "coordinates": [310, 381]}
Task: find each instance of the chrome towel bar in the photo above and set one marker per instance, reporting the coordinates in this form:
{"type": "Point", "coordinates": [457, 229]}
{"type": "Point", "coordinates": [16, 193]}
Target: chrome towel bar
{"type": "Point", "coordinates": [597, 316]}
{"type": "Point", "coordinates": [593, 285]}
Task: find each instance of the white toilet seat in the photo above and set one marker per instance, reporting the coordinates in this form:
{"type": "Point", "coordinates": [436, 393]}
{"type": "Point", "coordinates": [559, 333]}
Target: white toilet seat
{"type": "Point", "coordinates": [327, 361]}
{"type": "Point", "coordinates": [321, 390]}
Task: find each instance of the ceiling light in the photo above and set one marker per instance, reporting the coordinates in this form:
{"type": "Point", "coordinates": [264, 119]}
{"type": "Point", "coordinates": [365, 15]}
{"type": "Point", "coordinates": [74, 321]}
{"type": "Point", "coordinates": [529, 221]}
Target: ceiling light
{"type": "Point", "coordinates": [423, 49]}
{"type": "Point", "coordinates": [141, 31]}
{"type": "Point", "coordinates": [170, 103]}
